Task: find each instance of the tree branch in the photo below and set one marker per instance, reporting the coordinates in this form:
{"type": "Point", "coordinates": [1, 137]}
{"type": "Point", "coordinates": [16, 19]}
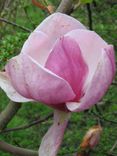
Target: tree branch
{"type": "Point", "coordinates": [16, 150]}
{"type": "Point", "coordinates": [41, 6]}
{"type": "Point", "coordinates": [15, 25]}
{"type": "Point", "coordinates": [66, 6]}
{"type": "Point", "coordinates": [113, 147]}
{"type": "Point", "coordinates": [90, 16]}
{"type": "Point", "coordinates": [8, 113]}
{"type": "Point", "coordinates": [112, 2]}
{"type": "Point", "coordinates": [103, 118]}
{"type": "Point", "coordinates": [28, 125]}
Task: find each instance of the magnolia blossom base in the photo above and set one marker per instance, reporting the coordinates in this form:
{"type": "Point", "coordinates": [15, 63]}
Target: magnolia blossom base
{"type": "Point", "coordinates": [52, 140]}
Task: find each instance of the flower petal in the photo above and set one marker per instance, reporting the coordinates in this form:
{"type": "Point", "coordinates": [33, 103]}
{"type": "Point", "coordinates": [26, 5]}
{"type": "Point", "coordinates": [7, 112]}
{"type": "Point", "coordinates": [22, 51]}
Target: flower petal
{"type": "Point", "coordinates": [52, 140]}
{"type": "Point", "coordinates": [66, 61]}
{"type": "Point", "coordinates": [6, 85]}
{"type": "Point", "coordinates": [61, 22]}
{"type": "Point", "coordinates": [91, 45]}
{"type": "Point", "coordinates": [40, 42]}
{"type": "Point", "coordinates": [99, 84]}
{"type": "Point", "coordinates": [45, 35]}
{"type": "Point", "coordinates": [33, 81]}
{"type": "Point", "coordinates": [37, 46]}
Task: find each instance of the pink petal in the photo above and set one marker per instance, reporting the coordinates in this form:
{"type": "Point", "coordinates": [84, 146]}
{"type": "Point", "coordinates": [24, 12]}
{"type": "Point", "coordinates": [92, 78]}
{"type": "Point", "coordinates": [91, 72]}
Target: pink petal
{"type": "Point", "coordinates": [52, 140]}
{"type": "Point", "coordinates": [37, 46]}
{"type": "Point", "coordinates": [33, 81]}
{"type": "Point", "coordinates": [40, 42]}
{"type": "Point", "coordinates": [61, 22]}
{"type": "Point", "coordinates": [99, 84]}
{"type": "Point", "coordinates": [91, 45]}
{"type": "Point", "coordinates": [110, 51]}
{"type": "Point", "coordinates": [6, 85]}
{"type": "Point", "coordinates": [66, 61]}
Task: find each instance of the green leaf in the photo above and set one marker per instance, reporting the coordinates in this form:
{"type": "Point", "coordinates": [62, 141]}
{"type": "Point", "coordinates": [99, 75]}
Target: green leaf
{"type": "Point", "coordinates": [86, 1]}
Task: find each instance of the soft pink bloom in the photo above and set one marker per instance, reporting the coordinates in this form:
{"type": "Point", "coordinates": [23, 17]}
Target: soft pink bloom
{"type": "Point", "coordinates": [62, 64]}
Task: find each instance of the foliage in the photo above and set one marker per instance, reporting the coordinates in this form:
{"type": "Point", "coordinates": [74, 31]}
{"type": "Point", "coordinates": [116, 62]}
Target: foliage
{"type": "Point", "coordinates": [86, 1]}
{"type": "Point", "coordinates": [10, 46]}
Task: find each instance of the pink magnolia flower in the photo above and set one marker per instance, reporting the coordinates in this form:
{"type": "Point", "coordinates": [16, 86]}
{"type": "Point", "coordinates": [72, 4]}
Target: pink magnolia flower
{"type": "Point", "coordinates": [63, 65]}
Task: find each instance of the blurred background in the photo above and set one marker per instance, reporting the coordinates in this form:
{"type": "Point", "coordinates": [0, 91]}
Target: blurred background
{"type": "Point", "coordinates": [17, 20]}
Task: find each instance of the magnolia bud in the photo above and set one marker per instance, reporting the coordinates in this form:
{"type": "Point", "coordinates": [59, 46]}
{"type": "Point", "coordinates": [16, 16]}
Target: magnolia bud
{"type": "Point", "coordinates": [92, 137]}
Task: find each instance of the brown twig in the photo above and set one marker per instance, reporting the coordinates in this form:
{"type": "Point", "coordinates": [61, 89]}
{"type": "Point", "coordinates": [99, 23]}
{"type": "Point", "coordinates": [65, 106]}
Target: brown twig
{"type": "Point", "coordinates": [114, 83]}
{"type": "Point", "coordinates": [77, 5]}
{"type": "Point", "coordinates": [27, 125]}
{"type": "Point", "coordinates": [8, 113]}
{"type": "Point", "coordinates": [41, 6]}
{"type": "Point", "coordinates": [90, 16]}
{"type": "Point", "coordinates": [103, 118]}
{"type": "Point", "coordinates": [66, 6]}
{"type": "Point", "coordinates": [111, 154]}
{"type": "Point", "coordinates": [15, 25]}
{"type": "Point", "coordinates": [112, 2]}
{"type": "Point", "coordinates": [16, 150]}
{"type": "Point", "coordinates": [113, 147]}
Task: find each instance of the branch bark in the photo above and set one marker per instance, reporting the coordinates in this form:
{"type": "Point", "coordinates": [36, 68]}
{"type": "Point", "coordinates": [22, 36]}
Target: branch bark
{"type": "Point", "coordinates": [8, 113]}
{"type": "Point", "coordinates": [16, 150]}
{"type": "Point", "coordinates": [41, 6]}
{"type": "Point", "coordinates": [90, 16]}
{"type": "Point", "coordinates": [66, 6]}
{"type": "Point", "coordinates": [27, 125]}
{"type": "Point", "coordinates": [112, 2]}
{"type": "Point", "coordinates": [14, 24]}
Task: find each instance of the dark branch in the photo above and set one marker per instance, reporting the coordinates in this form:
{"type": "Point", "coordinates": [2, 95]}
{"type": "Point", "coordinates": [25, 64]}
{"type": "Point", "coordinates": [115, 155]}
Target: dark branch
{"type": "Point", "coordinates": [113, 147]}
{"type": "Point", "coordinates": [16, 150]}
{"type": "Point", "coordinates": [112, 2]}
{"type": "Point", "coordinates": [8, 113]}
{"type": "Point", "coordinates": [103, 118]}
{"type": "Point", "coordinates": [114, 83]}
{"type": "Point", "coordinates": [90, 16]}
{"type": "Point", "coordinates": [15, 25]}
{"type": "Point", "coordinates": [111, 154]}
{"type": "Point", "coordinates": [66, 6]}
{"type": "Point", "coordinates": [28, 125]}
{"type": "Point", "coordinates": [40, 5]}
